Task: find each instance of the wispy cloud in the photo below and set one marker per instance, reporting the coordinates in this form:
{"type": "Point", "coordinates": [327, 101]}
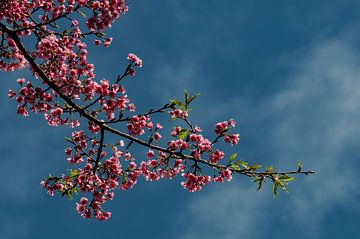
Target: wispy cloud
{"type": "Point", "coordinates": [314, 117]}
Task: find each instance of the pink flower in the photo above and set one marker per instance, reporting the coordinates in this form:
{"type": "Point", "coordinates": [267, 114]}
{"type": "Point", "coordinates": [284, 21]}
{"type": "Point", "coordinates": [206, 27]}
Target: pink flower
{"type": "Point", "coordinates": [231, 123]}
{"type": "Point", "coordinates": [83, 201]}
{"type": "Point", "coordinates": [20, 81]}
{"type": "Point", "coordinates": [11, 94]}
{"type": "Point", "coordinates": [68, 151]}
{"type": "Point", "coordinates": [204, 145]}
{"type": "Point", "coordinates": [233, 139]}
{"type": "Point", "coordinates": [216, 156]}
{"type": "Point", "coordinates": [178, 113]}
{"type": "Point", "coordinates": [150, 154]}
{"type": "Point", "coordinates": [22, 111]}
{"type": "Point", "coordinates": [157, 136]}
{"type": "Point", "coordinates": [74, 22]}
{"type": "Point", "coordinates": [195, 183]}
{"type": "Point", "coordinates": [131, 71]}
{"type": "Point", "coordinates": [11, 43]}
{"type": "Point", "coordinates": [107, 41]}
{"type": "Point", "coordinates": [131, 107]}
{"type": "Point", "coordinates": [134, 58]}
{"type": "Point", "coordinates": [221, 127]}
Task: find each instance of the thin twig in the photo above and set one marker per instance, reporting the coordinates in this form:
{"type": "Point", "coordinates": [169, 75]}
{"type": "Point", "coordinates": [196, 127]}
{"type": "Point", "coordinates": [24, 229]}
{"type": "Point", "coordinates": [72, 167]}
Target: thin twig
{"type": "Point", "coordinates": [100, 149]}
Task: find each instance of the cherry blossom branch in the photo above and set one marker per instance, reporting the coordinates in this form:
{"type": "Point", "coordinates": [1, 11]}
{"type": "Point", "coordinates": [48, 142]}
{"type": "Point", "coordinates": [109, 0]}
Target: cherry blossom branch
{"type": "Point", "coordinates": [104, 126]}
{"type": "Point", "coordinates": [46, 22]}
{"type": "Point", "coordinates": [66, 71]}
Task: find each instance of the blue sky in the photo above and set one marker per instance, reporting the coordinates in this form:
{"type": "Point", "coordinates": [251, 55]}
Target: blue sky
{"type": "Point", "coordinates": [288, 71]}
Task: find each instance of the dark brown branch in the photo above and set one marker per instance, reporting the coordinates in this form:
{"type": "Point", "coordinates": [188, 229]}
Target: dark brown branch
{"type": "Point", "coordinates": [190, 125]}
{"type": "Point", "coordinates": [105, 127]}
{"type": "Point", "coordinates": [100, 149]}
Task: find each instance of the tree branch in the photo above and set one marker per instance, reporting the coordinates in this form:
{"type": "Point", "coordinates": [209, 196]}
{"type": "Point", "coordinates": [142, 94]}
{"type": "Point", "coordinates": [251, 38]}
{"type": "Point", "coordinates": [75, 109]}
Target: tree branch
{"type": "Point", "coordinates": [100, 149]}
{"type": "Point", "coordinates": [48, 22]}
{"type": "Point", "coordinates": [105, 127]}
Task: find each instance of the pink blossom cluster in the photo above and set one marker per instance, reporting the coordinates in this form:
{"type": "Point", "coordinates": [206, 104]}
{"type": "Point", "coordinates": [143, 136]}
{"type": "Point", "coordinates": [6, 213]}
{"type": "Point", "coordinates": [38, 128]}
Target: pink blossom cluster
{"type": "Point", "coordinates": [64, 56]}
{"type": "Point", "coordinates": [11, 58]}
{"type": "Point", "coordinates": [15, 10]}
{"type": "Point", "coordinates": [105, 12]}
{"type": "Point", "coordinates": [102, 179]}
{"type": "Point", "coordinates": [29, 97]}
{"type": "Point", "coordinates": [222, 127]}
{"type": "Point", "coordinates": [216, 156]}
{"type": "Point", "coordinates": [19, 12]}
{"type": "Point", "coordinates": [178, 144]}
{"type": "Point", "coordinates": [194, 183]}
{"type": "Point", "coordinates": [102, 174]}
{"type": "Point", "coordinates": [178, 113]}
{"type": "Point", "coordinates": [102, 167]}
{"type": "Point", "coordinates": [233, 139]}
{"type": "Point", "coordinates": [134, 59]}
{"type": "Point", "coordinates": [224, 175]}
{"type": "Point", "coordinates": [138, 124]}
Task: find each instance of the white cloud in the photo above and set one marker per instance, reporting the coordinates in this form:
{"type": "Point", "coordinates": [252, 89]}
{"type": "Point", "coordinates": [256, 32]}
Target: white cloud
{"type": "Point", "coordinates": [314, 117]}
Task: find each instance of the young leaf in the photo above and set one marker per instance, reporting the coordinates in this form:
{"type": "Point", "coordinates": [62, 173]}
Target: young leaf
{"type": "Point", "coordinates": [193, 97]}
{"type": "Point", "coordinates": [259, 181]}
{"type": "Point", "coordinates": [81, 13]}
{"type": "Point", "coordinates": [234, 166]}
{"type": "Point", "coordinates": [286, 178]}
{"type": "Point", "coordinates": [179, 103]}
{"type": "Point", "coordinates": [232, 157]}
{"type": "Point", "coordinates": [241, 163]}
{"type": "Point", "coordinates": [275, 189]}
{"type": "Point", "coordinates": [255, 167]}
{"type": "Point", "coordinates": [269, 169]}
{"type": "Point", "coordinates": [182, 134]}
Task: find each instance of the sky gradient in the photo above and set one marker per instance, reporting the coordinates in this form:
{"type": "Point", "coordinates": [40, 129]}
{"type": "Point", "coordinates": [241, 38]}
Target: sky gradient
{"type": "Point", "coordinates": [287, 71]}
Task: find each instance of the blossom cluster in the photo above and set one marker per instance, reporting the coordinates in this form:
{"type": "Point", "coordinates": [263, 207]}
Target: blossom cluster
{"type": "Point", "coordinates": [67, 89]}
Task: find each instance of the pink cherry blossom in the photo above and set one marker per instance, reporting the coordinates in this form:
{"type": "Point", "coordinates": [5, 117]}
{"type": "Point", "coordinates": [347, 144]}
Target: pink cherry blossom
{"type": "Point", "coordinates": [66, 91]}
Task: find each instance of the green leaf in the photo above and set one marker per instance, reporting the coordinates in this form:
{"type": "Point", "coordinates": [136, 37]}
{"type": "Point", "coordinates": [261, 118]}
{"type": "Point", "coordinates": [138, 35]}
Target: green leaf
{"type": "Point", "coordinates": [189, 99]}
{"type": "Point", "coordinates": [286, 178]}
{"type": "Point", "coordinates": [179, 103]}
{"type": "Point", "coordinates": [255, 167]}
{"type": "Point", "coordinates": [193, 97]}
{"type": "Point", "coordinates": [269, 169]}
{"type": "Point", "coordinates": [81, 13]}
{"type": "Point", "coordinates": [234, 166]}
{"type": "Point", "coordinates": [241, 163]}
{"type": "Point", "coordinates": [73, 172]}
{"type": "Point", "coordinates": [232, 157]}
{"type": "Point", "coordinates": [182, 134]}
{"type": "Point", "coordinates": [259, 181]}
{"type": "Point", "coordinates": [280, 184]}
{"type": "Point", "coordinates": [275, 189]}
{"type": "Point", "coordinates": [69, 192]}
